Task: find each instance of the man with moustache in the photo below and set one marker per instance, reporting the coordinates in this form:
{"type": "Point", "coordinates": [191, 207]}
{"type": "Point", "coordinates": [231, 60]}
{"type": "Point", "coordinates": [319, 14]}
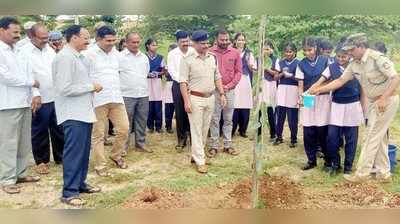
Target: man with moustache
{"type": "Point", "coordinates": [16, 91]}
{"type": "Point", "coordinates": [36, 58]}
{"type": "Point", "coordinates": [199, 78]}
{"type": "Point", "coordinates": [173, 61]}
{"type": "Point", "coordinates": [230, 68]}
{"type": "Point", "coordinates": [28, 34]}
{"type": "Point", "coordinates": [134, 69]}
{"type": "Point", "coordinates": [74, 108]}
{"type": "Point", "coordinates": [109, 104]}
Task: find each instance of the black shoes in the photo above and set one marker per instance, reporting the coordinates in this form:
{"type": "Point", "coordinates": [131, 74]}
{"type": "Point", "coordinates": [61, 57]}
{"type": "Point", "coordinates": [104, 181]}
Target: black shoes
{"type": "Point", "coordinates": [181, 144]}
{"type": "Point", "coordinates": [90, 189]}
{"type": "Point", "coordinates": [309, 166]}
{"type": "Point", "coordinates": [243, 135]}
{"type": "Point", "coordinates": [277, 141]}
{"type": "Point", "coordinates": [347, 171]}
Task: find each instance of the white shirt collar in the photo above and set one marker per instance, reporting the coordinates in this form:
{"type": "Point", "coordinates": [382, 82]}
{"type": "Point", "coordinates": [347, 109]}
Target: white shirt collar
{"type": "Point", "coordinates": [97, 48]}
{"type": "Point", "coordinates": [5, 46]}
{"type": "Point", "coordinates": [177, 51]}
{"type": "Point", "coordinates": [127, 52]}
{"type": "Point", "coordinates": [189, 51]}
{"type": "Point", "coordinates": [34, 48]}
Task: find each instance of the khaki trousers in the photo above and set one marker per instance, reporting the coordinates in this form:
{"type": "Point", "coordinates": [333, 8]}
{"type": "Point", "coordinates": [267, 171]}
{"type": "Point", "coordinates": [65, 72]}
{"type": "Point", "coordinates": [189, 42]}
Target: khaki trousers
{"type": "Point", "coordinates": [200, 119]}
{"type": "Point", "coordinates": [375, 148]}
{"type": "Point", "coordinates": [116, 112]}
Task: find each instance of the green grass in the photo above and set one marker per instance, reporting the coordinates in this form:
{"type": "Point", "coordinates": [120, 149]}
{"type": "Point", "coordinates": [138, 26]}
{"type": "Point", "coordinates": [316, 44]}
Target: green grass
{"type": "Point", "coordinates": [120, 178]}
{"type": "Point", "coordinates": [111, 199]}
{"type": "Point", "coordinates": [220, 171]}
{"type": "Point", "coordinates": [172, 171]}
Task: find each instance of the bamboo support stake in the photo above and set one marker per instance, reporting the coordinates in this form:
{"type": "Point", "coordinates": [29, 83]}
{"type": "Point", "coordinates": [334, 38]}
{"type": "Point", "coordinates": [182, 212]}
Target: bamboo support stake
{"type": "Point", "coordinates": [258, 140]}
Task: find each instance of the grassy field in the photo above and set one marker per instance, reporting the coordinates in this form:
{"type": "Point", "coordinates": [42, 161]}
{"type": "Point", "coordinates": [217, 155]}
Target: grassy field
{"type": "Point", "coordinates": [169, 171]}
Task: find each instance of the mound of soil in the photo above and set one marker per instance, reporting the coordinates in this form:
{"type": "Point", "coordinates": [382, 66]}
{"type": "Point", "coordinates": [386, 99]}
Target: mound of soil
{"type": "Point", "coordinates": [274, 192]}
{"type": "Point", "coordinates": [154, 198]}
{"type": "Point", "coordinates": [280, 192]}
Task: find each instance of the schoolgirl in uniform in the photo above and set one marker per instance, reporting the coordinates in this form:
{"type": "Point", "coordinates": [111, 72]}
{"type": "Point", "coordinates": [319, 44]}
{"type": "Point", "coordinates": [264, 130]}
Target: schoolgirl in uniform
{"type": "Point", "coordinates": [269, 88]}
{"type": "Point", "coordinates": [325, 47]}
{"type": "Point", "coordinates": [346, 114]}
{"type": "Point", "coordinates": [167, 97]}
{"type": "Point", "coordinates": [243, 90]}
{"type": "Point", "coordinates": [154, 119]}
{"type": "Point", "coordinates": [314, 120]}
{"type": "Point", "coordinates": [287, 95]}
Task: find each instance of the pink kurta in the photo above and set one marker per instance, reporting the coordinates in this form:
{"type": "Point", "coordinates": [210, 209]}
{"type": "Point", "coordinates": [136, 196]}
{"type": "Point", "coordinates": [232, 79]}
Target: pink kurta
{"type": "Point", "coordinates": [155, 93]}
{"type": "Point", "coordinates": [243, 93]}
{"type": "Point", "coordinates": [318, 115]}
{"type": "Point", "coordinates": [287, 96]}
{"type": "Point", "coordinates": [269, 92]}
{"type": "Point", "coordinates": [167, 92]}
{"type": "Point", "coordinates": [346, 115]}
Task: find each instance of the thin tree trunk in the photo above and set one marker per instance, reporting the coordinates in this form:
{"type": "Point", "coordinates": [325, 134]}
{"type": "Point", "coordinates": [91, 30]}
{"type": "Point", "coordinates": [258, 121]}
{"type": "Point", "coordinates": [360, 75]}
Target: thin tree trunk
{"type": "Point", "coordinates": [258, 140]}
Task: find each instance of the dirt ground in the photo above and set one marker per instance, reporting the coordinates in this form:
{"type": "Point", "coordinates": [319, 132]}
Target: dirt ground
{"type": "Point", "coordinates": [165, 179]}
{"type": "Point", "coordinates": [275, 192]}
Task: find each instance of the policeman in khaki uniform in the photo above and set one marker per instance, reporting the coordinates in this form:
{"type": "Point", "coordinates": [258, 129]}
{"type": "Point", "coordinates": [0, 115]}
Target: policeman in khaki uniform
{"type": "Point", "coordinates": [199, 77]}
{"type": "Point", "coordinates": [379, 81]}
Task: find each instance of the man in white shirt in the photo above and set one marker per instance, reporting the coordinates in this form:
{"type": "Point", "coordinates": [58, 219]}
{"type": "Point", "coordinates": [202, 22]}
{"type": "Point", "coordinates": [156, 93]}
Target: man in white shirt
{"type": "Point", "coordinates": [134, 69]}
{"type": "Point", "coordinates": [174, 58]}
{"type": "Point", "coordinates": [109, 104]}
{"type": "Point", "coordinates": [74, 91]}
{"type": "Point", "coordinates": [28, 34]}
{"type": "Point", "coordinates": [36, 58]}
{"type": "Point", "coordinates": [16, 91]}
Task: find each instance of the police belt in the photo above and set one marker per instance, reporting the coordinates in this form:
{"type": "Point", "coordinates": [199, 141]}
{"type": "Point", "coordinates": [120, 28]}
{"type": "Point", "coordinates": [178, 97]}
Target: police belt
{"type": "Point", "coordinates": [200, 94]}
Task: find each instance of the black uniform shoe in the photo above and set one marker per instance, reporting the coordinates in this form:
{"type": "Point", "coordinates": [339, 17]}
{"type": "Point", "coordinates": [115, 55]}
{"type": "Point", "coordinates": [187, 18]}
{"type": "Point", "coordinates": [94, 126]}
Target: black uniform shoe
{"type": "Point", "coordinates": [327, 168]}
{"type": "Point", "coordinates": [243, 135]}
{"type": "Point", "coordinates": [309, 166]}
{"type": "Point", "coordinates": [333, 171]}
{"type": "Point", "coordinates": [347, 172]}
{"type": "Point", "coordinates": [277, 141]}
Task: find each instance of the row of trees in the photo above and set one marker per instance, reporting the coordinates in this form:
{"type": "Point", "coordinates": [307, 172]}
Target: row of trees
{"type": "Point", "coordinates": [278, 28]}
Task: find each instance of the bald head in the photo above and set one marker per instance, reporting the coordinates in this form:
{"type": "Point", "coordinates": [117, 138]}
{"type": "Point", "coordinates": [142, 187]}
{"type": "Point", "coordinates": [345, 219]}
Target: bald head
{"type": "Point", "coordinates": [133, 40]}
{"type": "Point", "coordinates": [40, 35]}
{"type": "Point", "coordinates": [132, 35]}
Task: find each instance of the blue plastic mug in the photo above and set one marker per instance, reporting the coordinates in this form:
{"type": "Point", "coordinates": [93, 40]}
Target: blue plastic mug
{"type": "Point", "coordinates": [308, 101]}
